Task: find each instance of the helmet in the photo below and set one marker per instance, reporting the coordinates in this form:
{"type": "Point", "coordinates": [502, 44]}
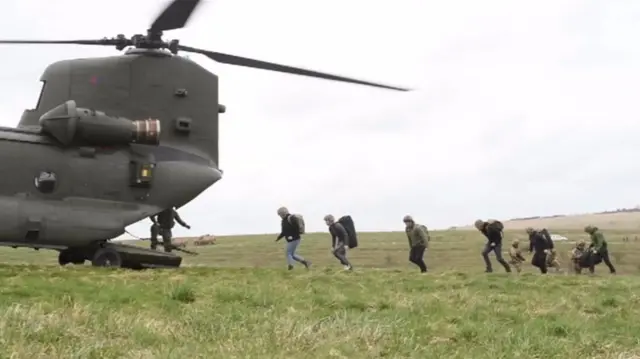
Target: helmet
{"type": "Point", "coordinates": [407, 218]}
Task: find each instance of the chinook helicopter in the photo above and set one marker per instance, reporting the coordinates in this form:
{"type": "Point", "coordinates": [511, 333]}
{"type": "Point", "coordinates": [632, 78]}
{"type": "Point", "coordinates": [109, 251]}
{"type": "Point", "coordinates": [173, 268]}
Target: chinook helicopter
{"type": "Point", "coordinates": [114, 140]}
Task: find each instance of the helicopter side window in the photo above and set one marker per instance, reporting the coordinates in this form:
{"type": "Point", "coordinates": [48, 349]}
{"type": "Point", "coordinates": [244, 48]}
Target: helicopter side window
{"type": "Point", "coordinates": [42, 86]}
{"type": "Point", "coordinates": [46, 182]}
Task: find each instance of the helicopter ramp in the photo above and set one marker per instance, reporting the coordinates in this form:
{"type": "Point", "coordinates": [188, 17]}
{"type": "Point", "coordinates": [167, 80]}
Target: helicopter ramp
{"type": "Point", "coordinates": [136, 257]}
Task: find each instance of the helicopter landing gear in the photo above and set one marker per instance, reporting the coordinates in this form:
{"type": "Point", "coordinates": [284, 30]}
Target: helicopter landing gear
{"type": "Point", "coordinates": [119, 256]}
{"type": "Point", "coordinates": [69, 256]}
{"type": "Point", "coordinates": [107, 257]}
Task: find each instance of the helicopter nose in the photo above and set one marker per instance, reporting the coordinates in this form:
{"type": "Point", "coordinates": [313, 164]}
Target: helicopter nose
{"type": "Point", "coordinates": [177, 183]}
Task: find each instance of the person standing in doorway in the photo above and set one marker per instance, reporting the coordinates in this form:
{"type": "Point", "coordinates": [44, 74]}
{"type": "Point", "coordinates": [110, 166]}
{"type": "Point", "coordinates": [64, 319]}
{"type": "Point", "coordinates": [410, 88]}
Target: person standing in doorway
{"type": "Point", "coordinates": [163, 224]}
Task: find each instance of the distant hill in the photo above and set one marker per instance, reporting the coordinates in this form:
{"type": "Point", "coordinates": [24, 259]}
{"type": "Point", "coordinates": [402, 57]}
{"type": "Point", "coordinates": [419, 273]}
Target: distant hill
{"type": "Point", "coordinates": [624, 219]}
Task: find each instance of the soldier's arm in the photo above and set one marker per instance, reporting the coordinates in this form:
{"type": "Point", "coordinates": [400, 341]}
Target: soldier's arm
{"type": "Point", "coordinates": [547, 236]}
{"type": "Point", "coordinates": [153, 219]}
{"type": "Point", "coordinates": [519, 255]}
{"type": "Point", "coordinates": [294, 222]}
{"type": "Point", "coordinates": [341, 233]}
{"type": "Point", "coordinates": [531, 239]}
{"type": "Point", "coordinates": [598, 241]}
{"type": "Point", "coordinates": [422, 236]}
{"type": "Point", "coordinates": [281, 235]}
{"type": "Point", "coordinates": [178, 219]}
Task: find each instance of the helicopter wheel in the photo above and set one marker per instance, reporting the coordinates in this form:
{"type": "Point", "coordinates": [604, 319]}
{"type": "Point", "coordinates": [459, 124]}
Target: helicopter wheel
{"type": "Point", "coordinates": [68, 256]}
{"type": "Point", "coordinates": [106, 257]}
{"type": "Point", "coordinates": [64, 258]}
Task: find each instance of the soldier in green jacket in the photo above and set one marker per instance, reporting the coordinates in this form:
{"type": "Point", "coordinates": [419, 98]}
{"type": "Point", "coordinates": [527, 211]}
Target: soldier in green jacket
{"type": "Point", "coordinates": [598, 248]}
{"type": "Point", "coordinates": [418, 237]}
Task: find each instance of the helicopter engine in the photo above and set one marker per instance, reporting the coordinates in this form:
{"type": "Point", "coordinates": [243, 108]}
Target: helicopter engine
{"type": "Point", "coordinates": [72, 125]}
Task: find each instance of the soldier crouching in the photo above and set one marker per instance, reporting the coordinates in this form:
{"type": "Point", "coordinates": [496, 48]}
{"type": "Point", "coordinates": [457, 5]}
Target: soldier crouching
{"type": "Point", "coordinates": [576, 256]}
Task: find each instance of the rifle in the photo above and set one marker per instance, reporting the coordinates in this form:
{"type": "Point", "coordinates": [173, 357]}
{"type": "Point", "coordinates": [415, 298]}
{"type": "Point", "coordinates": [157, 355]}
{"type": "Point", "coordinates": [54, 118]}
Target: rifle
{"type": "Point", "coordinates": [173, 246]}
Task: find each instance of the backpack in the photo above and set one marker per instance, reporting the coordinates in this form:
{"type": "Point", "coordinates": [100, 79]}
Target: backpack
{"type": "Point", "coordinates": [587, 257]}
{"type": "Point", "coordinates": [299, 221]}
{"type": "Point", "coordinates": [426, 232]}
{"type": "Point", "coordinates": [496, 224]}
{"type": "Point", "coordinates": [347, 223]}
{"type": "Point", "coordinates": [545, 234]}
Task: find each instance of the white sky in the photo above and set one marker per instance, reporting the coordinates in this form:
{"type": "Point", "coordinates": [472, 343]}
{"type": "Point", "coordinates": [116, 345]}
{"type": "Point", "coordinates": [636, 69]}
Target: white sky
{"type": "Point", "coordinates": [521, 107]}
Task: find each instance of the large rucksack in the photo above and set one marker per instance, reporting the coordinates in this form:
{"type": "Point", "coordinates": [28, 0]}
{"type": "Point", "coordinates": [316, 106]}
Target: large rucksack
{"type": "Point", "coordinates": [347, 223]}
{"type": "Point", "coordinates": [587, 257]}
{"type": "Point", "coordinates": [496, 224]}
{"type": "Point", "coordinates": [299, 221]}
{"type": "Point", "coordinates": [545, 234]}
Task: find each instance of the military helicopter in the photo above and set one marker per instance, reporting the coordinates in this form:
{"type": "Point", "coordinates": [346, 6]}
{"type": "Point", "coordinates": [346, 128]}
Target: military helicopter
{"type": "Point", "coordinates": [114, 140]}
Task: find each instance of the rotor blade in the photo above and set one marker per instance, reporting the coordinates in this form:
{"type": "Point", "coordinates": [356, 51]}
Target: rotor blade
{"type": "Point", "coordinates": [243, 61]}
{"type": "Point", "coordinates": [77, 42]}
{"type": "Point", "coordinates": [174, 16]}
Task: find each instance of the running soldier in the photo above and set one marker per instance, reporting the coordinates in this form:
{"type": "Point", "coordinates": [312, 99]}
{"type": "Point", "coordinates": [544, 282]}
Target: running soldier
{"type": "Point", "coordinates": [492, 229]}
{"type": "Point", "coordinates": [515, 255]}
{"type": "Point", "coordinates": [339, 241]}
{"type": "Point", "coordinates": [539, 244]}
{"type": "Point", "coordinates": [163, 223]}
{"type": "Point", "coordinates": [292, 228]}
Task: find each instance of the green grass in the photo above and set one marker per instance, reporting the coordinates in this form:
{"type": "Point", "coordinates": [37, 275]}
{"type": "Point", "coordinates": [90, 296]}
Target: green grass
{"type": "Point", "coordinates": [236, 300]}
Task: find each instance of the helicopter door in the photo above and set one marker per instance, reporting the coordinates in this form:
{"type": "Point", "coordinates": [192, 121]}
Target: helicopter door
{"type": "Point", "coordinates": [98, 173]}
{"type": "Point", "coordinates": [10, 210]}
{"type": "Point", "coordinates": [85, 175]}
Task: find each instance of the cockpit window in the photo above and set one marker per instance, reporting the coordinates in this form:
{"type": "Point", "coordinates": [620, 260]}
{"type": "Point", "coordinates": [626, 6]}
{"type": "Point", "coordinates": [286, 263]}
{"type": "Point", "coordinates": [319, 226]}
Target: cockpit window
{"type": "Point", "coordinates": [42, 86]}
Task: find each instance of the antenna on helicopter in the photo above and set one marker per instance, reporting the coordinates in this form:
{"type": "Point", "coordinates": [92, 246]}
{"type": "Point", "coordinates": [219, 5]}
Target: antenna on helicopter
{"type": "Point", "coordinates": [175, 16]}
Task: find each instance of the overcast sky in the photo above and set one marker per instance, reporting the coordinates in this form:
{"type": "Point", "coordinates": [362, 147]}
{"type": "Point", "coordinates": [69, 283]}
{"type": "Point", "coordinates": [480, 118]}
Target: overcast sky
{"type": "Point", "coordinates": [521, 107]}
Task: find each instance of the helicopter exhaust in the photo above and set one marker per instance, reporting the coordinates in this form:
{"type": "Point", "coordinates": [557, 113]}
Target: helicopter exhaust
{"type": "Point", "coordinates": [73, 125]}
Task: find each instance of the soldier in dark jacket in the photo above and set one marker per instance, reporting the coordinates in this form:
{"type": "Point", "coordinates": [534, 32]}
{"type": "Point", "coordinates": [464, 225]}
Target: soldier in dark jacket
{"type": "Point", "coordinates": [493, 231]}
{"type": "Point", "coordinates": [418, 242]}
{"type": "Point", "coordinates": [598, 248]}
{"type": "Point", "coordinates": [290, 231]}
{"type": "Point", "coordinates": [540, 243]}
{"type": "Point", "coordinates": [339, 240]}
{"type": "Point", "coordinates": [163, 222]}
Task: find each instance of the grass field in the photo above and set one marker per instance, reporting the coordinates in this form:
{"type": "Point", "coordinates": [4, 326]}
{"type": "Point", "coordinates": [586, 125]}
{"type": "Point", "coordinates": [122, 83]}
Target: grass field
{"type": "Point", "coordinates": [235, 300]}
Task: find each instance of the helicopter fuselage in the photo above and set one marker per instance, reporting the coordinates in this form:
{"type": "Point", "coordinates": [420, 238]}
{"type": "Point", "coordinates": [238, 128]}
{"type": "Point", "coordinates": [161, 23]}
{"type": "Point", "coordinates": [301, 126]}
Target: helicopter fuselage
{"type": "Point", "coordinates": [55, 197]}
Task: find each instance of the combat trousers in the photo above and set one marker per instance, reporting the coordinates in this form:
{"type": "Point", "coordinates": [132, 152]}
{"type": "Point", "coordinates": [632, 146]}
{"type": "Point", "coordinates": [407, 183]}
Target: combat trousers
{"type": "Point", "coordinates": [604, 254]}
{"type": "Point", "coordinates": [166, 237]}
{"type": "Point", "coordinates": [539, 260]}
{"type": "Point", "coordinates": [340, 252]}
{"type": "Point", "coordinates": [497, 249]}
{"type": "Point", "coordinates": [517, 264]}
{"type": "Point", "coordinates": [416, 256]}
